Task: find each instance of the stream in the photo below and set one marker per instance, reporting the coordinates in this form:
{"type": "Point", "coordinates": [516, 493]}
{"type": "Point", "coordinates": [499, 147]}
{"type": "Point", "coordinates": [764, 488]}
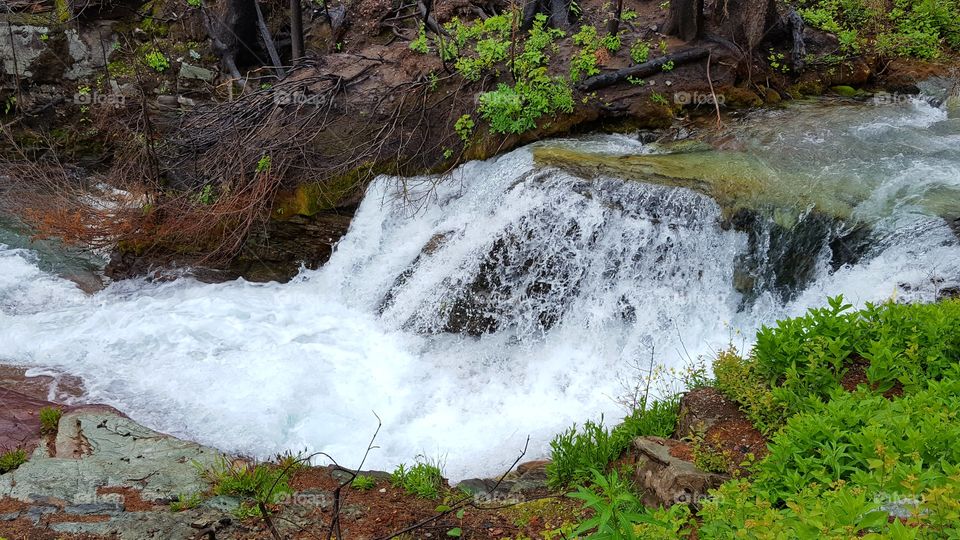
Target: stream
{"type": "Point", "coordinates": [511, 299]}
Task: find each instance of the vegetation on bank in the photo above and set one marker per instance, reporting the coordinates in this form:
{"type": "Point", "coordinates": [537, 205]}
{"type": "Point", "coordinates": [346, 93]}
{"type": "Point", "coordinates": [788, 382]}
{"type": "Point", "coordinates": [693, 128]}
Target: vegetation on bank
{"type": "Point", "coordinates": [917, 28]}
{"type": "Point", "coordinates": [878, 460]}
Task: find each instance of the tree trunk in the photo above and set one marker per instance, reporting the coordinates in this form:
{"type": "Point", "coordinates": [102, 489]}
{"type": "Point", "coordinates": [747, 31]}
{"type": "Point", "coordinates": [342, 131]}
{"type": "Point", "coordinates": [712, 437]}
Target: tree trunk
{"type": "Point", "coordinates": [557, 12]}
{"type": "Point", "coordinates": [686, 19]}
{"type": "Point", "coordinates": [296, 30]}
{"type": "Point", "coordinates": [613, 25]}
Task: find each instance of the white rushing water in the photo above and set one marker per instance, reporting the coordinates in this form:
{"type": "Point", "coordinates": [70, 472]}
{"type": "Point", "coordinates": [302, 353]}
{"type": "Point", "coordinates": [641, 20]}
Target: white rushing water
{"type": "Point", "coordinates": [574, 280]}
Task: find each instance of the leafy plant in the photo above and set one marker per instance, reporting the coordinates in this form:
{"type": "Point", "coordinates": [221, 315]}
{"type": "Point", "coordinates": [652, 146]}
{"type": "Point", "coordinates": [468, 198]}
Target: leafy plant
{"type": "Point", "coordinates": [616, 509]}
{"type": "Point", "coordinates": [658, 98]}
{"type": "Point", "coordinates": [422, 479]}
{"type": "Point", "coordinates": [263, 164]}
{"type": "Point", "coordinates": [667, 66]}
{"type": "Point", "coordinates": [706, 458]}
{"type": "Point", "coordinates": [640, 51]}
{"type": "Point", "coordinates": [420, 43]}
{"type": "Point", "coordinates": [156, 61]}
{"type": "Point", "coordinates": [464, 128]}
{"type": "Point", "coordinates": [256, 483]}
{"type": "Point", "coordinates": [50, 420]}
{"type": "Point", "coordinates": [12, 459]}
{"type": "Point", "coordinates": [574, 453]}
{"type": "Point", "coordinates": [186, 502]}
{"type": "Point", "coordinates": [363, 482]}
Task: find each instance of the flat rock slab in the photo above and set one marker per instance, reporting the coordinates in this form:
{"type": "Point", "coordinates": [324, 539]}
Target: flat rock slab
{"type": "Point", "coordinates": [98, 449]}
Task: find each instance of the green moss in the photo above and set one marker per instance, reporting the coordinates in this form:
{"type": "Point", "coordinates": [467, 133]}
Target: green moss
{"type": "Point", "coordinates": [62, 11]}
{"type": "Point", "coordinates": [312, 198]}
{"type": "Point", "coordinates": [844, 91]}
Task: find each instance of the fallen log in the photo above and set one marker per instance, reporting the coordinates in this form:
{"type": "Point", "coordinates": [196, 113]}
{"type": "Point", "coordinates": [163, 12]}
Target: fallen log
{"type": "Point", "coordinates": [643, 70]}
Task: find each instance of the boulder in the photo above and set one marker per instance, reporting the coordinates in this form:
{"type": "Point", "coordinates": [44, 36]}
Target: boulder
{"type": "Point", "coordinates": [666, 480]}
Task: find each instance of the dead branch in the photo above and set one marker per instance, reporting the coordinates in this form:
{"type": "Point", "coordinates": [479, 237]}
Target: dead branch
{"type": "Point", "coordinates": [642, 70]}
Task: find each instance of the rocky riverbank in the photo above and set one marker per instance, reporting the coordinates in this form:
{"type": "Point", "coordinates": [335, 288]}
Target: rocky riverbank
{"type": "Point", "coordinates": [103, 475]}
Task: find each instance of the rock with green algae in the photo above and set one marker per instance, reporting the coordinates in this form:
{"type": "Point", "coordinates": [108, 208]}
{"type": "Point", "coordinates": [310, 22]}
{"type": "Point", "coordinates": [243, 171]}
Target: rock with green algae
{"type": "Point", "coordinates": [952, 105]}
{"type": "Point", "coordinates": [736, 180]}
{"type": "Point", "coordinates": [845, 91]}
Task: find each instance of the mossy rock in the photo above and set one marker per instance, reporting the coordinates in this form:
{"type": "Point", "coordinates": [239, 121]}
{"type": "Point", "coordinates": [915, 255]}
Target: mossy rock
{"type": "Point", "coordinates": [952, 105]}
{"type": "Point", "coordinates": [740, 98]}
{"type": "Point", "coordinates": [771, 96]}
{"type": "Point", "coordinates": [735, 180]}
{"type": "Point", "coordinates": [845, 91]}
{"type": "Point", "coordinates": [315, 197]}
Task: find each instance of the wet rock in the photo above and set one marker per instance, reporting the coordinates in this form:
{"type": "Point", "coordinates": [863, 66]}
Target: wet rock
{"type": "Point", "coordinates": [97, 448]}
{"type": "Point", "coordinates": [221, 503]}
{"type": "Point", "coordinates": [90, 509]}
{"type": "Point", "coordinates": [19, 420]}
{"type": "Point", "coordinates": [667, 480]}
{"type": "Point", "coordinates": [188, 71]}
{"type": "Point", "coordinates": [952, 105]}
{"type": "Point", "coordinates": [845, 91]}
{"type": "Point", "coordinates": [36, 513]}
{"type": "Point", "coordinates": [531, 481]}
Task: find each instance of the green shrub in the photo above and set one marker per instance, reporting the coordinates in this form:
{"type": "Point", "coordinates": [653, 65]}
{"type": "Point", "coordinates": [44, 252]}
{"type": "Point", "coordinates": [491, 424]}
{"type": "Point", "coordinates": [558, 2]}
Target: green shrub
{"type": "Point", "coordinates": [891, 447]}
{"type": "Point", "coordinates": [156, 61]}
{"type": "Point", "coordinates": [363, 482]}
{"type": "Point", "coordinates": [915, 28]}
{"type": "Point", "coordinates": [12, 459]}
{"type": "Point", "coordinates": [805, 358]}
{"type": "Point", "coordinates": [50, 420]}
{"type": "Point", "coordinates": [640, 51]}
{"type": "Point", "coordinates": [464, 128]}
{"type": "Point", "coordinates": [737, 379]}
{"type": "Point", "coordinates": [422, 479]}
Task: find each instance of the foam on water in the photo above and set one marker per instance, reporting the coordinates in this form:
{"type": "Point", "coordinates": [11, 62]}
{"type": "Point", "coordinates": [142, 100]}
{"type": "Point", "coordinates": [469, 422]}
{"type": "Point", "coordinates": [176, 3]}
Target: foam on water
{"type": "Point", "coordinates": [579, 278]}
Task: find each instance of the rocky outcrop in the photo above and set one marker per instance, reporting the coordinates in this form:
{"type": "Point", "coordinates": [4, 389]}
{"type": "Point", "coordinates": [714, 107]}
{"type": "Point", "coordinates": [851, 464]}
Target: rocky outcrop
{"type": "Point", "coordinates": [527, 482]}
{"type": "Point", "coordinates": [666, 480]}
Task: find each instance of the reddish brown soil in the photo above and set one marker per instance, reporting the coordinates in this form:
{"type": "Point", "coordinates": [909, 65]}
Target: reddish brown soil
{"type": "Point", "coordinates": [729, 431]}
{"type": "Point", "coordinates": [856, 374]}
{"type": "Point", "coordinates": [132, 500]}
{"type": "Point", "coordinates": [384, 510]}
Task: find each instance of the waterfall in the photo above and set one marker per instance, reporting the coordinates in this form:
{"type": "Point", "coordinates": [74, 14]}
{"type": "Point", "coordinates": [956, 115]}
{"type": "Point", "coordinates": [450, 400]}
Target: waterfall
{"type": "Point", "coordinates": [502, 302]}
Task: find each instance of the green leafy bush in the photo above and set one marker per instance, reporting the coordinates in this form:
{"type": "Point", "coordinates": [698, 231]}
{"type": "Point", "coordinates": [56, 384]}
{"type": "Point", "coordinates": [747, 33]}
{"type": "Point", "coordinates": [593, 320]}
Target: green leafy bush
{"type": "Point", "coordinates": [891, 447]}
{"type": "Point", "coordinates": [737, 379]}
{"type": "Point", "coordinates": [363, 482]}
{"type": "Point", "coordinates": [640, 51]}
{"type": "Point", "coordinates": [464, 128]}
{"type": "Point", "coordinates": [156, 61]}
{"type": "Point", "coordinates": [422, 479]}
{"type": "Point", "coordinates": [915, 28]}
